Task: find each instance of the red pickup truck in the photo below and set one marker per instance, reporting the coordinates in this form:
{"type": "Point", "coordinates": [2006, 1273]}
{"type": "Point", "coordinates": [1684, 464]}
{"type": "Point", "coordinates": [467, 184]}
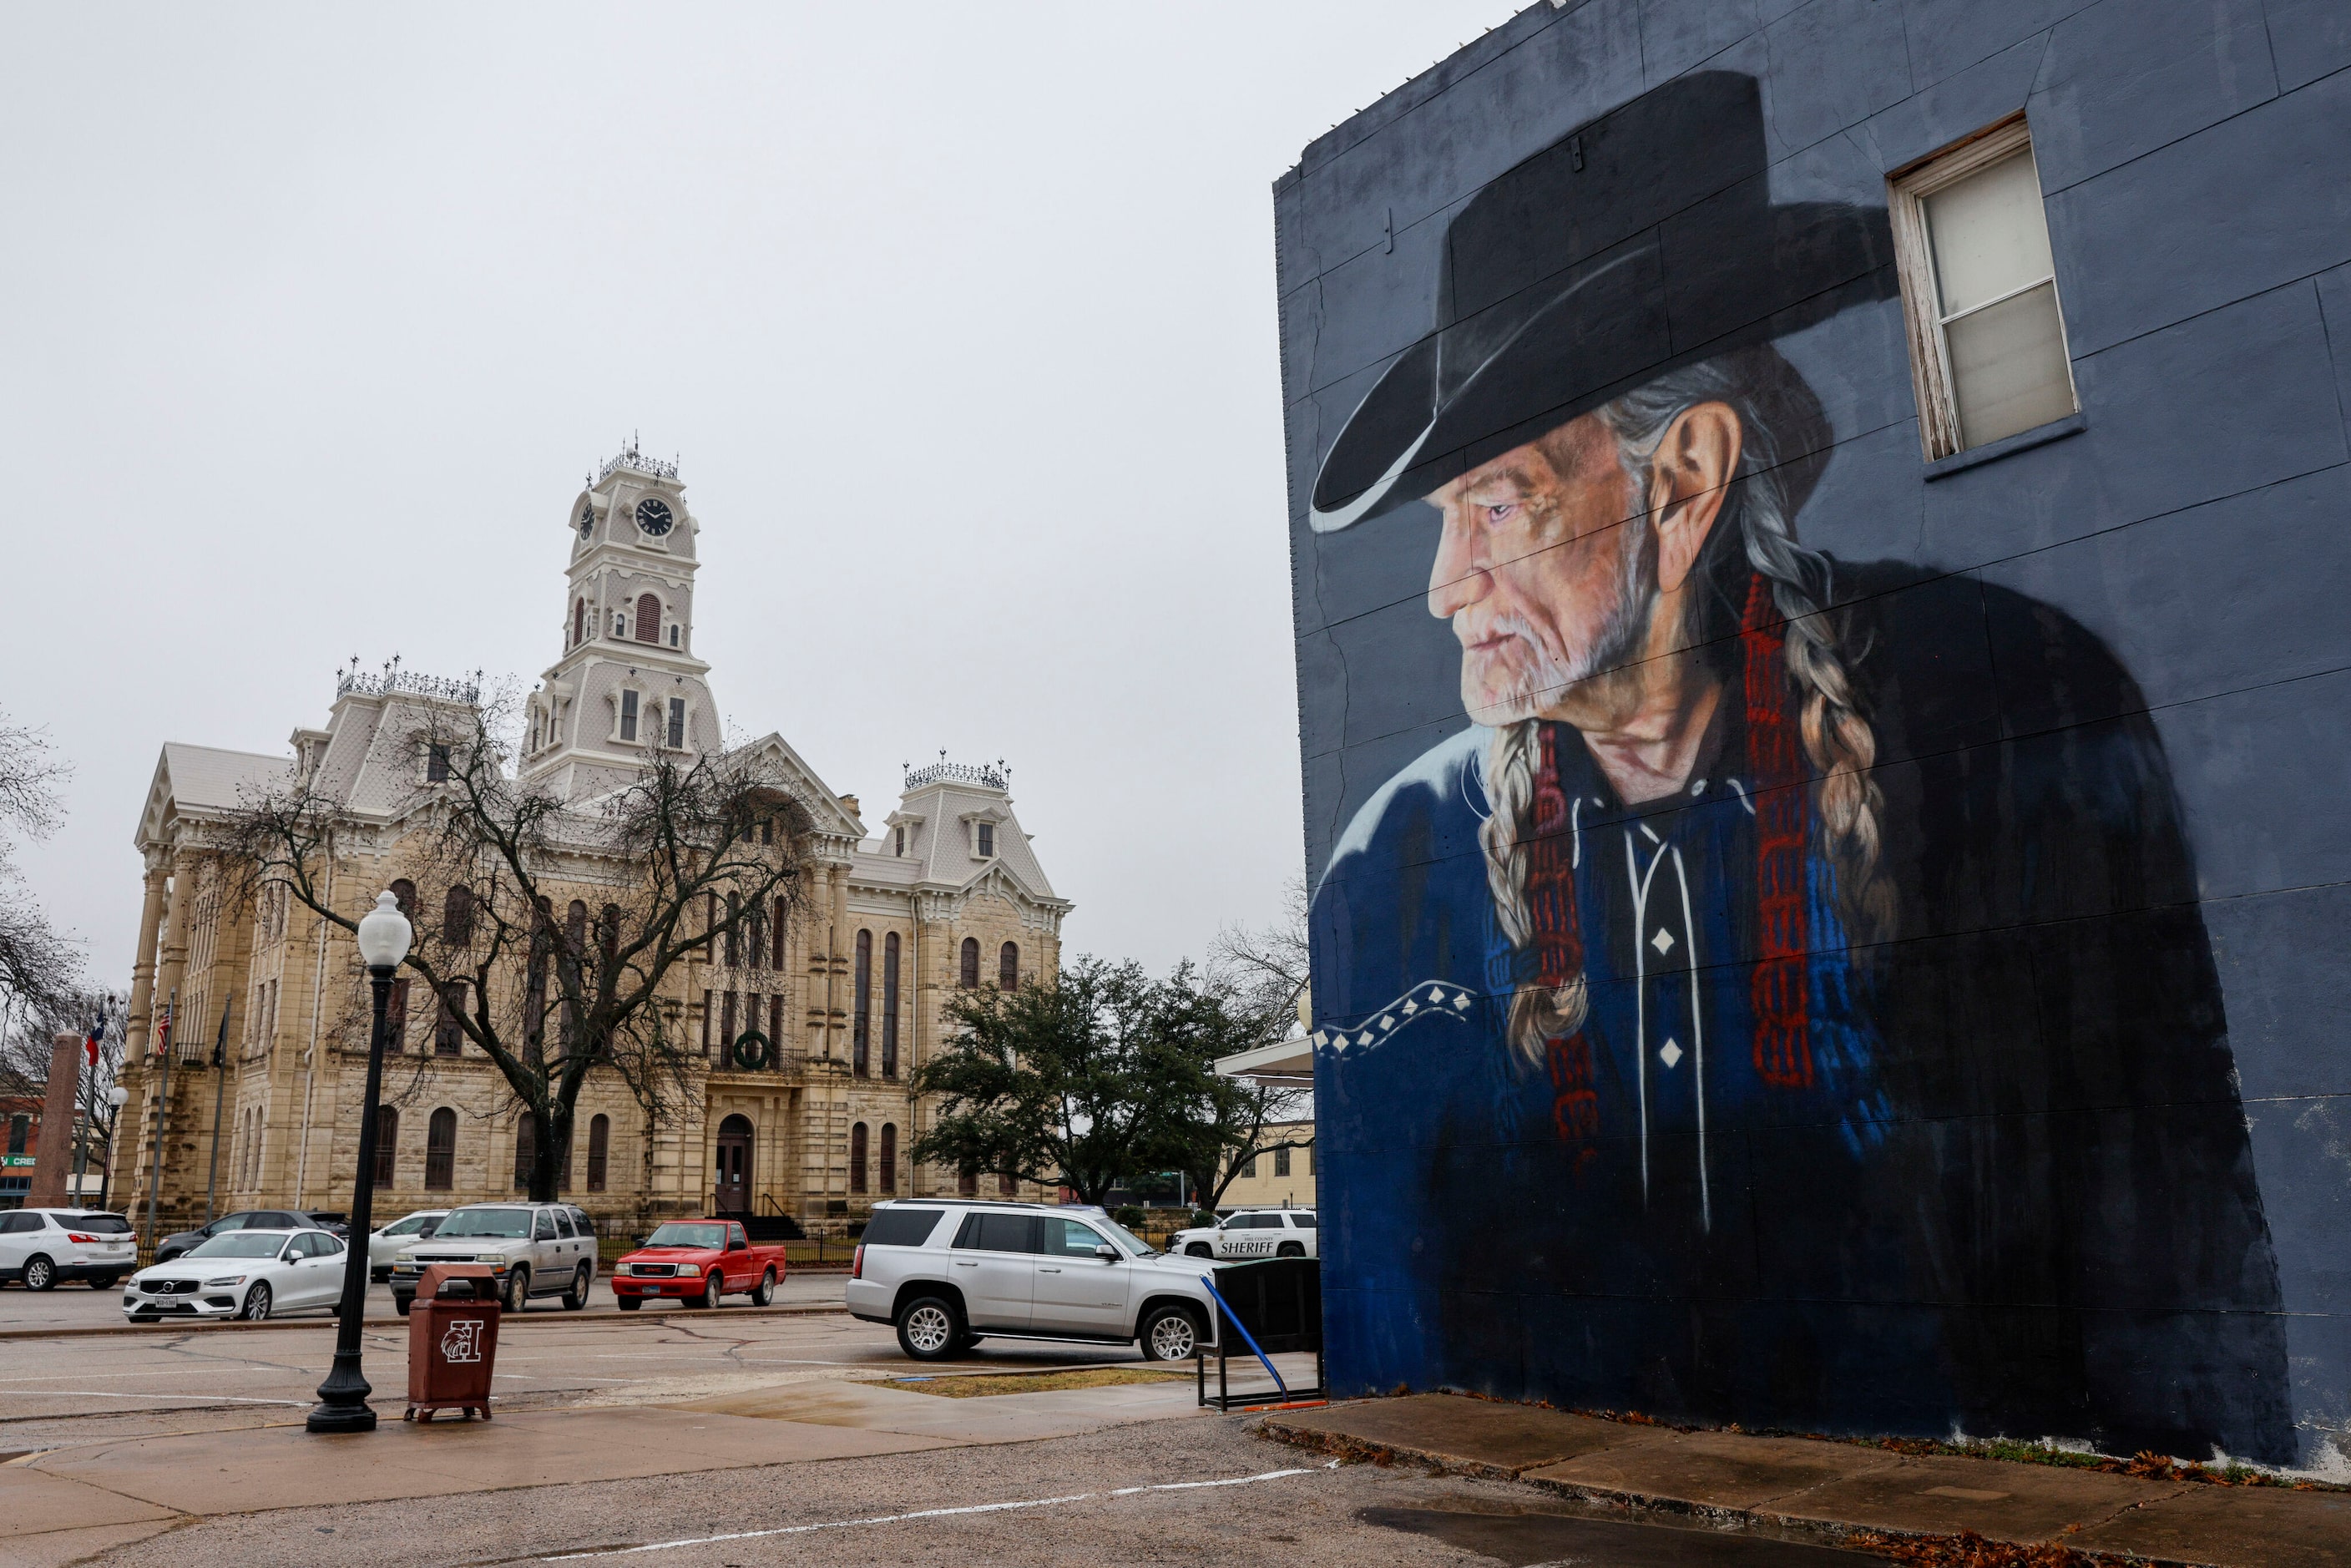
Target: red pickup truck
{"type": "Point", "coordinates": [697, 1260]}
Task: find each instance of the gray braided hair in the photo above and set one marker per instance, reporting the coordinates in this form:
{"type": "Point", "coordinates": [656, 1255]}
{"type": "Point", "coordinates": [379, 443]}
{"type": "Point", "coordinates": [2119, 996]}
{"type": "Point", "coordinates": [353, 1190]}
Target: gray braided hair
{"type": "Point", "coordinates": [1785, 441]}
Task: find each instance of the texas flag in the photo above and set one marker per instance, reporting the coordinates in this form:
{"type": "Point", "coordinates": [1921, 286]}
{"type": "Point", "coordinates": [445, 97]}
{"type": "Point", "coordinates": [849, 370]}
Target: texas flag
{"type": "Point", "coordinates": [96, 1033]}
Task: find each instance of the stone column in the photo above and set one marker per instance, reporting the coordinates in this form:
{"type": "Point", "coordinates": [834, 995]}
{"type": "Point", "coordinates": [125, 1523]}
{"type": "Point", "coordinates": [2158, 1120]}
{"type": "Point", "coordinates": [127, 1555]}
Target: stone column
{"type": "Point", "coordinates": [53, 1157]}
{"type": "Point", "coordinates": [143, 969]}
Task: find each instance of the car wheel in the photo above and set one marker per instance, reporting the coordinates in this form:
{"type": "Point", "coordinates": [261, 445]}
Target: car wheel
{"type": "Point", "coordinates": [106, 1283]}
{"type": "Point", "coordinates": [1170, 1334]}
{"type": "Point", "coordinates": [627, 1304]}
{"type": "Point", "coordinates": [1199, 1250]}
{"type": "Point", "coordinates": [577, 1297]}
{"type": "Point", "coordinates": [256, 1302]}
{"type": "Point", "coordinates": [40, 1274]}
{"type": "Point", "coordinates": [712, 1288]}
{"type": "Point", "coordinates": [930, 1329]}
{"type": "Point", "coordinates": [402, 1303]}
{"type": "Point", "coordinates": [518, 1295]}
{"type": "Point", "coordinates": [765, 1291]}
{"type": "Point", "coordinates": [1290, 1249]}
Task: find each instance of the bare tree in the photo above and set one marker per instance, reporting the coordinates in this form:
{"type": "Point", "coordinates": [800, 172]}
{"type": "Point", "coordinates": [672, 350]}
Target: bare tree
{"type": "Point", "coordinates": [547, 929]}
{"type": "Point", "coordinates": [1262, 977]}
{"type": "Point", "coordinates": [38, 965]}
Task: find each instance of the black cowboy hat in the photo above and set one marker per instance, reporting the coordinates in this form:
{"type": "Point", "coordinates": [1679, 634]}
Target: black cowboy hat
{"type": "Point", "coordinates": [1639, 242]}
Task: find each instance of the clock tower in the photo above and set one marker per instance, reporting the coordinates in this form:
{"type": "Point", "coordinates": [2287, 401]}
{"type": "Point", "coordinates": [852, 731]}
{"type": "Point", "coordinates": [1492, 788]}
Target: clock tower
{"type": "Point", "coordinates": [628, 687]}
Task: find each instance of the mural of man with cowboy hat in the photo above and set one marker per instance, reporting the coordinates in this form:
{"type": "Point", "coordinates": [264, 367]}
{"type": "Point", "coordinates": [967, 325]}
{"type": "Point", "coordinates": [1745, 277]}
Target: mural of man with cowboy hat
{"type": "Point", "coordinates": [1785, 1002]}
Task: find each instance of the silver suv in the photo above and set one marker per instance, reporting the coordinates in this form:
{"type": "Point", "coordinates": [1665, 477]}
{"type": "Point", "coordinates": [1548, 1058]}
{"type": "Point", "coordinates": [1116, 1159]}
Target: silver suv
{"type": "Point", "coordinates": [533, 1248]}
{"type": "Point", "coordinates": [947, 1272]}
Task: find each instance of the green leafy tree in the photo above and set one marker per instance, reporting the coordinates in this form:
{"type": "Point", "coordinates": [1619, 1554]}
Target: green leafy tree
{"type": "Point", "coordinates": [1074, 1082]}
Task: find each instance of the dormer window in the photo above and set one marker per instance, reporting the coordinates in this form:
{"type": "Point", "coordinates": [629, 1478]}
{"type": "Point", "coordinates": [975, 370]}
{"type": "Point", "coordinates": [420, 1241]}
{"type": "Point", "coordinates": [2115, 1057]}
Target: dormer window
{"type": "Point", "coordinates": [902, 842]}
{"type": "Point", "coordinates": [628, 716]}
{"type": "Point", "coordinates": [988, 840]}
{"type": "Point", "coordinates": [437, 763]}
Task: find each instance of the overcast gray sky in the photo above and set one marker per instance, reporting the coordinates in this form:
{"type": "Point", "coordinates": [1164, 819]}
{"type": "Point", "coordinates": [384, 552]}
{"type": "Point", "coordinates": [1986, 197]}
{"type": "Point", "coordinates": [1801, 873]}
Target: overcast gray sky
{"type": "Point", "coordinates": [961, 318]}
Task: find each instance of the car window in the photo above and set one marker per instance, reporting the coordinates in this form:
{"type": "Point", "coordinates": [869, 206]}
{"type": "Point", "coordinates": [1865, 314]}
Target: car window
{"type": "Point", "coordinates": [492, 1224]}
{"type": "Point", "coordinates": [676, 1234]}
{"type": "Point", "coordinates": [563, 1225]}
{"type": "Point", "coordinates": [238, 1244]}
{"type": "Point", "coordinates": [226, 1223]}
{"type": "Point", "coordinates": [736, 1238]}
{"type": "Point", "coordinates": [998, 1233]}
{"type": "Point", "coordinates": [408, 1226]}
{"type": "Point", "coordinates": [587, 1224]}
{"type": "Point", "coordinates": [1070, 1238]}
{"type": "Point", "coordinates": [1303, 1221]}
{"type": "Point", "coordinates": [546, 1231]}
{"type": "Point", "coordinates": [10, 1223]}
{"type": "Point", "coordinates": [328, 1245]}
{"type": "Point", "coordinates": [284, 1221]}
{"type": "Point", "coordinates": [305, 1245]}
{"type": "Point", "coordinates": [901, 1226]}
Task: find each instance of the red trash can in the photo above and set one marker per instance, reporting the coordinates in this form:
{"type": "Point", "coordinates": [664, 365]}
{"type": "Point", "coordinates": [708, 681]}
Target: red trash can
{"type": "Point", "coordinates": [453, 1341]}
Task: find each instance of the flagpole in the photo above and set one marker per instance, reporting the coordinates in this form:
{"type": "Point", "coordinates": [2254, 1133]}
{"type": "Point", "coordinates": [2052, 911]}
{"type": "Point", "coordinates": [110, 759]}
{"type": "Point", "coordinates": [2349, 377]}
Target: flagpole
{"type": "Point", "coordinates": [88, 1111]}
{"type": "Point", "coordinates": [220, 1098]}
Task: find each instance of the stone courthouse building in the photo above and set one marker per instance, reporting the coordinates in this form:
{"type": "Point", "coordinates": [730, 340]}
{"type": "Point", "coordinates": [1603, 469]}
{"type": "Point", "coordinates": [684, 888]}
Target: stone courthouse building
{"type": "Point", "coordinates": [814, 1125]}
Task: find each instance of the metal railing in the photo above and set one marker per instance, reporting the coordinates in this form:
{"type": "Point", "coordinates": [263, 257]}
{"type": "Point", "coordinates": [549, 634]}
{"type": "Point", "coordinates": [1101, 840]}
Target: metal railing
{"type": "Point", "coordinates": [991, 776]}
{"type": "Point", "coordinates": [392, 679]}
{"type": "Point", "coordinates": [636, 461]}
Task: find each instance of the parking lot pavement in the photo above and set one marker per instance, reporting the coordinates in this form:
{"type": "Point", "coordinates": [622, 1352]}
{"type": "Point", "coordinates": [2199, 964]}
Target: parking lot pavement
{"type": "Point", "coordinates": [79, 1306]}
{"type": "Point", "coordinates": [1194, 1492]}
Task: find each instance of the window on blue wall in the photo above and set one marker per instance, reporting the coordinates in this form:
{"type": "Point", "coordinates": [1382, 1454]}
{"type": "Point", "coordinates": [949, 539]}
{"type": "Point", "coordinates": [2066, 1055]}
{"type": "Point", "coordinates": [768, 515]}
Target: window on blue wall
{"type": "Point", "coordinates": [1980, 292]}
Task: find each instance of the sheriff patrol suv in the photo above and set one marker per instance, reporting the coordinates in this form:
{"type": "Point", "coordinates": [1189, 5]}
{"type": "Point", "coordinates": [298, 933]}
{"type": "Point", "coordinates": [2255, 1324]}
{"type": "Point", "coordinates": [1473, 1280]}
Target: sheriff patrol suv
{"type": "Point", "coordinates": [947, 1272]}
{"type": "Point", "coordinates": [1253, 1233]}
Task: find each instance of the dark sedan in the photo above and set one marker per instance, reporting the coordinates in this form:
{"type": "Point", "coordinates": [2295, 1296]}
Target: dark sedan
{"type": "Point", "coordinates": [173, 1245]}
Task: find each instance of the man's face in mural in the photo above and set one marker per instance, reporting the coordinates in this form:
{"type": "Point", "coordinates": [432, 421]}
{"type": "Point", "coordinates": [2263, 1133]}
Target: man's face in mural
{"type": "Point", "coordinates": [1556, 565]}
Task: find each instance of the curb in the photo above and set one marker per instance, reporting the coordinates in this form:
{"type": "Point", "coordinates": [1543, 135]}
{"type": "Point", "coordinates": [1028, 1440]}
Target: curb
{"type": "Point", "coordinates": [505, 1322]}
{"type": "Point", "coordinates": [1758, 1521]}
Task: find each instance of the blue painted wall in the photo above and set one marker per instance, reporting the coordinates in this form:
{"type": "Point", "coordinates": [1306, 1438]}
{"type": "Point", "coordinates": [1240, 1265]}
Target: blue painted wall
{"type": "Point", "coordinates": [2194, 538]}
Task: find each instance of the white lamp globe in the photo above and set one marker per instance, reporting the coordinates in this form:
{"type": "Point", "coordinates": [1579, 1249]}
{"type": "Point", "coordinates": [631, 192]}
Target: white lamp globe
{"type": "Point", "coordinates": [384, 933]}
{"type": "Point", "coordinates": [118, 1096]}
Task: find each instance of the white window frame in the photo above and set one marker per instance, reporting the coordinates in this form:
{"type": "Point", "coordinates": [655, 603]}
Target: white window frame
{"type": "Point", "coordinates": [620, 705]}
{"type": "Point", "coordinates": [1927, 328]}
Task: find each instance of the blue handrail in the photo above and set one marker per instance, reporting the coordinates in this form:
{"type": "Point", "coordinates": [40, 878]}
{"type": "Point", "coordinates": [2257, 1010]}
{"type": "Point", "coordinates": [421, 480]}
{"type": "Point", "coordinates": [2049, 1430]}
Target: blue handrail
{"type": "Point", "coordinates": [1236, 1318]}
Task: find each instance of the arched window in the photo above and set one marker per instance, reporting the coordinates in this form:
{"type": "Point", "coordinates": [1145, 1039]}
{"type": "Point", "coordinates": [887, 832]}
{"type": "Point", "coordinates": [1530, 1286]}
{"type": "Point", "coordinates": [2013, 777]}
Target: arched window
{"type": "Point", "coordinates": [525, 1149]}
{"type": "Point", "coordinates": [776, 937]}
{"type": "Point", "coordinates": [889, 1017]}
{"type": "Point", "coordinates": [967, 1183]}
{"type": "Point", "coordinates": [648, 618]}
{"type": "Point", "coordinates": [579, 622]}
{"type": "Point", "coordinates": [1008, 967]}
{"type": "Point", "coordinates": [889, 1156]}
{"type": "Point", "coordinates": [860, 1033]}
{"type": "Point", "coordinates": [387, 1142]}
{"type": "Point", "coordinates": [575, 927]}
{"type": "Point", "coordinates": [600, 1150]}
{"type": "Point", "coordinates": [441, 1151]}
{"type": "Point", "coordinates": [759, 937]}
{"type": "Point", "coordinates": [404, 892]}
{"type": "Point", "coordinates": [857, 1157]}
{"type": "Point", "coordinates": [970, 977]}
{"type": "Point", "coordinates": [733, 930]}
{"type": "Point", "coordinates": [457, 916]}
{"type": "Point", "coordinates": [448, 1034]}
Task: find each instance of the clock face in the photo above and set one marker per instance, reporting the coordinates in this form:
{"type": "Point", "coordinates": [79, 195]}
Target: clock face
{"type": "Point", "coordinates": [654, 517]}
{"type": "Point", "coordinates": [587, 520]}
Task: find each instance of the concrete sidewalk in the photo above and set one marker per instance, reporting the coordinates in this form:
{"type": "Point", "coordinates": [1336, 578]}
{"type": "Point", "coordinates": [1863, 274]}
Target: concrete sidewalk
{"type": "Point", "coordinates": [64, 1503]}
{"type": "Point", "coordinates": [1827, 1490]}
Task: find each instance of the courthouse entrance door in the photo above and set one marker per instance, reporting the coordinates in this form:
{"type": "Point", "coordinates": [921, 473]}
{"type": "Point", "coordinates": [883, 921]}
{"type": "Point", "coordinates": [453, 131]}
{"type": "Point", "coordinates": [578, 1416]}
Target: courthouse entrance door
{"type": "Point", "coordinates": [733, 1194]}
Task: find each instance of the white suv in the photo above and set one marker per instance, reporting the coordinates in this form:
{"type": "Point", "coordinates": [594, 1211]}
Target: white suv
{"type": "Point", "coordinates": [39, 1246]}
{"type": "Point", "coordinates": [533, 1248]}
{"type": "Point", "coordinates": [947, 1272]}
{"type": "Point", "coordinates": [1254, 1233]}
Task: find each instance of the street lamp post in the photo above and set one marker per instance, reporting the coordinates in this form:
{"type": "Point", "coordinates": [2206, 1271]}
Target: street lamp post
{"type": "Point", "coordinates": [116, 1097]}
{"type": "Point", "coordinates": [383, 936]}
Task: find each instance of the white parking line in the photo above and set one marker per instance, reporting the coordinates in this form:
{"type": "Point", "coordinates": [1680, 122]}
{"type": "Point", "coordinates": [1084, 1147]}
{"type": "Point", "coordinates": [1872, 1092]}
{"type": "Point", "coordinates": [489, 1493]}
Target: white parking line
{"type": "Point", "coordinates": [112, 1393]}
{"type": "Point", "coordinates": [923, 1514]}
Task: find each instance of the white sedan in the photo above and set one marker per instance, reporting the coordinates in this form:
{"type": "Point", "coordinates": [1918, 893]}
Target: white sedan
{"type": "Point", "coordinates": [241, 1274]}
{"type": "Point", "coordinates": [385, 1246]}
{"type": "Point", "coordinates": [1253, 1233]}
